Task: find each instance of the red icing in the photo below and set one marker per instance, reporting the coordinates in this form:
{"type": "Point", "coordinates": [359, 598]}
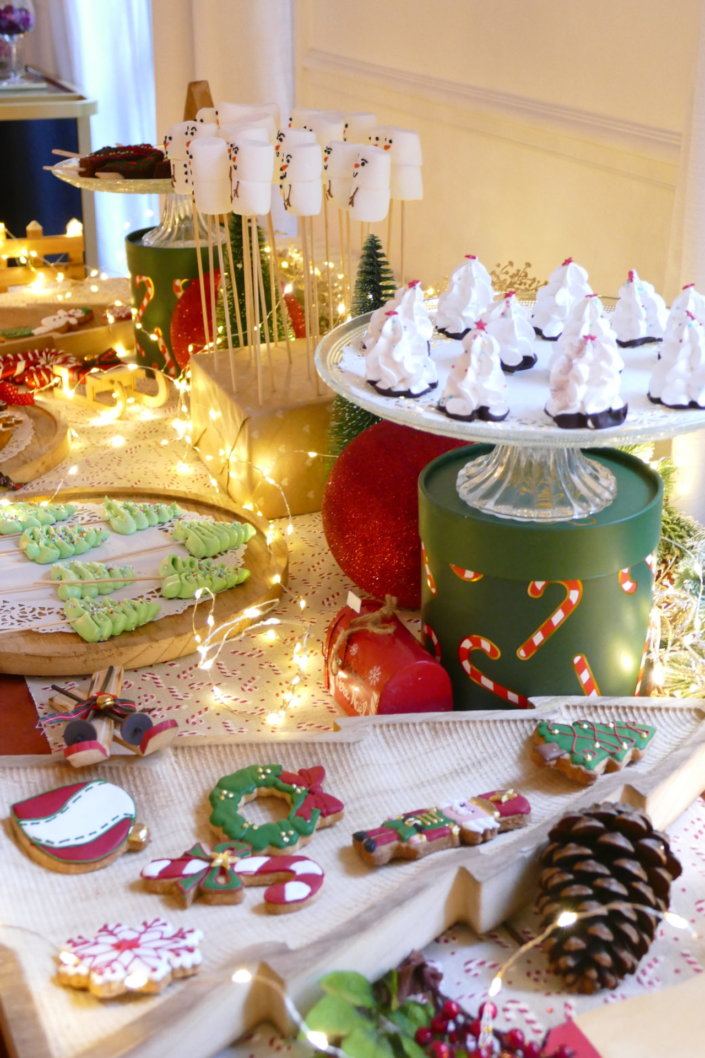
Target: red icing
{"type": "Point", "coordinates": [568, 260]}
{"type": "Point", "coordinates": [631, 276]}
{"type": "Point", "coordinates": [48, 803]}
{"type": "Point", "coordinates": [480, 325]}
{"type": "Point", "coordinates": [514, 806]}
{"type": "Point", "coordinates": [108, 843]}
{"type": "Point", "coordinates": [470, 256]}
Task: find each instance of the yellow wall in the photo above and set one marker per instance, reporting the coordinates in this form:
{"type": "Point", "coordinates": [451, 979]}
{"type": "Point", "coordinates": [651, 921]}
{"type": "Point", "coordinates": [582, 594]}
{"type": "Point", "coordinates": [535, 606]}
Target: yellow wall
{"type": "Point", "coordinates": [550, 127]}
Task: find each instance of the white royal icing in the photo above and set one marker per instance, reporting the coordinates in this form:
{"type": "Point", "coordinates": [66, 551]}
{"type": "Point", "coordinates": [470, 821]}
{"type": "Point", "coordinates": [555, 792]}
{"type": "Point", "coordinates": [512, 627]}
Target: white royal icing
{"type": "Point", "coordinates": [86, 816]}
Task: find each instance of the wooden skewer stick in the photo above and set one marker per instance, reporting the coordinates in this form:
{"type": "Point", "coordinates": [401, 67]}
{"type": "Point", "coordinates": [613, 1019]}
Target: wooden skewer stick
{"type": "Point", "coordinates": [226, 306]}
{"type": "Point", "coordinates": [201, 280]}
{"type": "Point", "coordinates": [275, 275]}
{"type": "Point", "coordinates": [326, 250]}
{"type": "Point", "coordinates": [261, 300]}
{"type": "Point", "coordinates": [211, 270]}
{"type": "Point", "coordinates": [65, 154]}
{"type": "Point", "coordinates": [233, 283]}
{"type": "Point", "coordinates": [253, 334]}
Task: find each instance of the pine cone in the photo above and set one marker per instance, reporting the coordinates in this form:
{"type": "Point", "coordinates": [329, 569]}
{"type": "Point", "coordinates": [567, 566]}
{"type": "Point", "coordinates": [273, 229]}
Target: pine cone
{"type": "Point", "coordinates": [605, 854]}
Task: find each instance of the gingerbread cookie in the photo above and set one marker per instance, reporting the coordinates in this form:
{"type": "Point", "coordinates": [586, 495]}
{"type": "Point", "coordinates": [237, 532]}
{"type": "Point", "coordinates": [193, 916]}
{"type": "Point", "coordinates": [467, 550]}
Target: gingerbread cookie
{"type": "Point", "coordinates": [122, 959]}
{"type": "Point", "coordinates": [80, 827]}
{"type": "Point", "coordinates": [462, 822]}
{"type": "Point", "coordinates": [310, 806]}
{"type": "Point", "coordinates": [585, 749]}
{"type": "Point", "coordinates": [219, 875]}
{"type": "Point", "coordinates": [512, 808]}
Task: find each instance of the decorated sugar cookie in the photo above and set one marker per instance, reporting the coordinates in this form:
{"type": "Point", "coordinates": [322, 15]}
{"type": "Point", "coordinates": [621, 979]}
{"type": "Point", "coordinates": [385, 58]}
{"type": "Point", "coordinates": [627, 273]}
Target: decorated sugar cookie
{"type": "Point", "coordinates": [310, 806]}
{"type": "Point", "coordinates": [123, 958]}
{"type": "Point", "coordinates": [219, 875]}
{"type": "Point", "coordinates": [80, 827]}
{"type": "Point", "coordinates": [462, 822]}
{"type": "Point", "coordinates": [585, 749]}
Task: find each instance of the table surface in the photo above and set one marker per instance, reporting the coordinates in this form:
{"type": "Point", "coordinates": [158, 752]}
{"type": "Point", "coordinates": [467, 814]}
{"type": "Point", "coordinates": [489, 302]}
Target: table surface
{"type": "Point", "coordinates": [252, 674]}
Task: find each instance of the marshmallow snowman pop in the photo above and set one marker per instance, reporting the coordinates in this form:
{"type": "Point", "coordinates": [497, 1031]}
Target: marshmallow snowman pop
{"type": "Point", "coordinates": [406, 184]}
{"type": "Point", "coordinates": [211, 186]}
{"type": "Point", "coordinates": [177, 143]}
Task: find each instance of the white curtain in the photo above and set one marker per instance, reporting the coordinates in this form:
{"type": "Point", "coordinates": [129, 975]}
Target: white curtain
{"type": "Point", "coordinates": [105, 49]}
{"type": "Point", "coordinates": [244, 49]}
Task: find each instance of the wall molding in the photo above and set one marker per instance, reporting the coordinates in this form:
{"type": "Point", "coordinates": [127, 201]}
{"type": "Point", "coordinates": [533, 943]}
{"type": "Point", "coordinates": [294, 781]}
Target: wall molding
{"type": "Point", "coordinates": [629, 136]}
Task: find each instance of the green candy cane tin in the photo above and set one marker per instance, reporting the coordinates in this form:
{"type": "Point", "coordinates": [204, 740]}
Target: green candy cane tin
{"type": "Point", "coordinates": [514, 609]}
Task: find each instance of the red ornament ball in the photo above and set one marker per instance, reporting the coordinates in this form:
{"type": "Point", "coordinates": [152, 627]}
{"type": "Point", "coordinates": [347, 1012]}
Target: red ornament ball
{"type": "Point", "coordinates": [370, 509]}
{"type": "Point", "coordinates": [187, 333]}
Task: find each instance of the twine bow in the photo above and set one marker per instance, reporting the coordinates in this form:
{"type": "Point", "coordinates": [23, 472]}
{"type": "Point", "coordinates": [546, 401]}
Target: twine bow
{"type": "Point", "coordinates": [377, 621]}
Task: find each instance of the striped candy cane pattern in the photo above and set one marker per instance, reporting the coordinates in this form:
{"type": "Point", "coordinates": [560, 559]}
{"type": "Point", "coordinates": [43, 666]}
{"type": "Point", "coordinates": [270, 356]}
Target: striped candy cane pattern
{"type": "Point", "coordinates": [468, 575]}
{"type": "Point", "coordinates": [148, 283]}
{"type": "Point", "coordinates": [475, 642]}
{"type": "Point", "coordinates": [427, 571]}
{"type": "Point", "coordinates": [626, 582]}
{"type": "Point", "coordinates": [296, 879]}
{"type": "Point", "coordinates": [583, 671]}
{"type": "Point", "coordinates": [433, 640]}
{"type": "Point", "coordinates": [573, 595]}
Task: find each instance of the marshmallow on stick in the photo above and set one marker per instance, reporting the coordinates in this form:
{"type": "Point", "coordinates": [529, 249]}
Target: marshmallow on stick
{"type": "Point", "coordinates": [251, 169]}
{"type": "Point", "coordinates": [211, 175]}
{"type": "Point", "coordinates": [300, 173]}
{"type": "Point", "coordinates": [358, 125]}
{"type": "Point", "coordinates": [369, 197]}
{"type": "Point", "coordinates": [404, 147]}
{"type": "Point", "coordinates": [338, 161]}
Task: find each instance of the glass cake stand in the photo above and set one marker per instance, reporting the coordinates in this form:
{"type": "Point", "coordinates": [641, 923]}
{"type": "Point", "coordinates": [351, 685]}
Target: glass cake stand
{"type": "Point", "coordinates": [536, 472]}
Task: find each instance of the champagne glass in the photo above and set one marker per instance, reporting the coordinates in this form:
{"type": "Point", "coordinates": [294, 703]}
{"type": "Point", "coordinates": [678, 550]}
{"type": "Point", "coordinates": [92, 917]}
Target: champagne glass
{"type": "Point", "coordinates": [16, 19]}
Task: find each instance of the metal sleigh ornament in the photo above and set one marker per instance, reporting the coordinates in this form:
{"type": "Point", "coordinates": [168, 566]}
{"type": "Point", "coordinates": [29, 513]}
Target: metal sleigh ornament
{"type": "Point", "coordinates": [93, 723]}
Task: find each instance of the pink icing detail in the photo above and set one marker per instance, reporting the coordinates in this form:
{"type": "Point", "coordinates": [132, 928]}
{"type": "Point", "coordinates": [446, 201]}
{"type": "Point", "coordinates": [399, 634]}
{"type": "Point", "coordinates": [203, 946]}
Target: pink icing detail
{"type": "Point", "coordinates": [414, 282]}
{"type": "Point", "coordinates": [568, 260]}
{"type": "Point", "coordinates": [631, 275]}
{"type": "Point", "coordinates": [154, 947]}
{"type": "Point", "coordinates": [470, 256]}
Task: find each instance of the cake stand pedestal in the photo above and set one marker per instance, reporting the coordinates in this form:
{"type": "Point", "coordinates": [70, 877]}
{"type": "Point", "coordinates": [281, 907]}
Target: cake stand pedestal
{"type": "Point", "coordinates": [538, 545]}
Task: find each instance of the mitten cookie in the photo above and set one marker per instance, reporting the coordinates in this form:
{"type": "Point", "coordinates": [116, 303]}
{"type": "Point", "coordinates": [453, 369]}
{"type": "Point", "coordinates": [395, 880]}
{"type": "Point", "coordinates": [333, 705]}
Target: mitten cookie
{"type": "Point", "coordinates": [80, 827]}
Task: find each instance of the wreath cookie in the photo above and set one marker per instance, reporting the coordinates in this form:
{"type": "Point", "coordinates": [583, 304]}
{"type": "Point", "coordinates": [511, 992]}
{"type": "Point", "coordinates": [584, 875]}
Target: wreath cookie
{"type": "Point", "coordinates": [310, 806]}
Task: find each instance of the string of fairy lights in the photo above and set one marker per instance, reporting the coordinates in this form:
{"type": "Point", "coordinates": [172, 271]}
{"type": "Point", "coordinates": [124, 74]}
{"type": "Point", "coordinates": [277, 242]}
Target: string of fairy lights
{"type": "Point", "coordinates": [675, 649]}
{"type": "Point", "coordinates": [245, 976]}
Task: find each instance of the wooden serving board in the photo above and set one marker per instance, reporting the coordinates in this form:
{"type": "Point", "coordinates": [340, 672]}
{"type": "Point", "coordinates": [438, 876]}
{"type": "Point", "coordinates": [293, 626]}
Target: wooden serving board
{"type": "Point", "coordinates": [49, 445]}
{"type": "Point", "coordinates": [27, 653]}
{"type": "Point", "coordinates": [364, 918]}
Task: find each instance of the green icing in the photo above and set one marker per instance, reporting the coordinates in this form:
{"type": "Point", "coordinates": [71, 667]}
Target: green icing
{"type": "Point", "coordinates": [229, 794]}
{"type": "Point", "coordinates": [74, 579]}
{"type": "Point", "coordinates": [182, 577]}
{"type": "Point", "coordinates": [589, 744]}
{"type": "Point", "coordinates": [206, 537]}
{"type": "Point", "coordinates": [15, 517]}
{"type": "Point", "coordinates": [100, 619]}
{"type": "Point", "coordinates": [48, 543]}
{"type": "Point", "coordinates": [127, 517]}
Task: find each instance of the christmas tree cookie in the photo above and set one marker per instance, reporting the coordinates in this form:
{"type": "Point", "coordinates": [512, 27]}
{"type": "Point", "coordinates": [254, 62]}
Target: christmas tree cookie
{"type": "Point", "coordinates": [48, 543]}
{"type": "Point", "coordinates": [207, 537]}
{"type": "Point", "coordinates": [126, 517]}
{"type": "Point", "coordinates": [85, 580]}
{"type": "Point", "coordinates": [16, 517]}
{"type": "Point", "coordinates": [585, 749]}
{"type": "Point", "coordinates": [99, 619]}
{"type": "Point", "coordinates": [182, 577]}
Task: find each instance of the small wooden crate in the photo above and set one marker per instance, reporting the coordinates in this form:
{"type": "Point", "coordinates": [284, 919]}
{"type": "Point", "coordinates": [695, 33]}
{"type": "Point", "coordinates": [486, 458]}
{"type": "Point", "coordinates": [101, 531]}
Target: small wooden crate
{"type": "Point", "coordinates": [36, 247]}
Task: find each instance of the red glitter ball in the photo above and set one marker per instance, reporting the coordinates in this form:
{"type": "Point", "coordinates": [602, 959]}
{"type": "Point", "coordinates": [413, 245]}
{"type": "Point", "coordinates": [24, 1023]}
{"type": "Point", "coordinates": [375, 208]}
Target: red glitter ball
{"type": "Point", "coordinates": [370, 509]}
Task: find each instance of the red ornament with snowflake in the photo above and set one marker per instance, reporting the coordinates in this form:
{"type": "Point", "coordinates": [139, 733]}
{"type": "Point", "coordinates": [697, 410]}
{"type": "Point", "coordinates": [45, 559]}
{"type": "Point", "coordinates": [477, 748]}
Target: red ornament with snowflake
{"type": "Point", "coordinates": [373, 664]}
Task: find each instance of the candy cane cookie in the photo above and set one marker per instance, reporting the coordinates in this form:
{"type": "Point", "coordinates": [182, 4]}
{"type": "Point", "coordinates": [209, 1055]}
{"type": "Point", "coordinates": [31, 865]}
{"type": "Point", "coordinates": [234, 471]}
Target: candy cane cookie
{"type": "Point", "coordinates": [475, 642]}
{"type": "Point", "coordinates": [573, 595]}
{"type": "Point", "coordinates": [219, 875]}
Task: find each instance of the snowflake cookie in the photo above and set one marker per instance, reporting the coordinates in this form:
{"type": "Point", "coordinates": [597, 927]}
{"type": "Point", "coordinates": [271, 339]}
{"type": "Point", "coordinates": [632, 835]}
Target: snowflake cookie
{"type": "Point", "coordinates": [121, 958]}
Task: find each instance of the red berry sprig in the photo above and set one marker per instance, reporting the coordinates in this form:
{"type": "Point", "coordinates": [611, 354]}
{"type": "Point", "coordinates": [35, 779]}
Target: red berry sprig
{"type": "Point", "coordinates": [452, 1033]}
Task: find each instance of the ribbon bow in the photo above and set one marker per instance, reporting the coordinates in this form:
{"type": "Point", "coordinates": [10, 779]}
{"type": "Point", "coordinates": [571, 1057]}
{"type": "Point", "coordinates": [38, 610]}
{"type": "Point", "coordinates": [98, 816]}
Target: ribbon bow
{"type": "Point", "coordinates": [316, 798]}
{"type": "Point", "coordinates": [116, 708]}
